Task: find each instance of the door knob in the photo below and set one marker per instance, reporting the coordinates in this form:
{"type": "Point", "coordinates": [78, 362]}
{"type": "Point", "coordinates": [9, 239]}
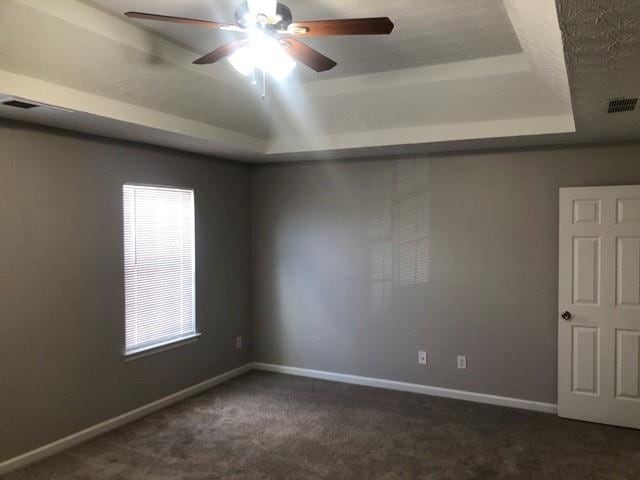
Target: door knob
{"type": "Point", "coordinates": [566, 315]}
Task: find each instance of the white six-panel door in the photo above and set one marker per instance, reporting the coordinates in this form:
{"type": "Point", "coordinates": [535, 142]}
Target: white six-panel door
{"type": "Point", "coordinates": [599, 294]}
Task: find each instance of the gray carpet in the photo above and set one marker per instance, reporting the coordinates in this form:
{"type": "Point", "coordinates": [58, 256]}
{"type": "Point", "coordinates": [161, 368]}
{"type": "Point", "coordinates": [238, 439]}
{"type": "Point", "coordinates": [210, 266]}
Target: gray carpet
{"type": "Point", "coordinates": [269, 426]}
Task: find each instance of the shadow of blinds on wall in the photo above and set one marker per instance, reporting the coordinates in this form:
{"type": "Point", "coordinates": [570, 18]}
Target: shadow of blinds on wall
{"type": "Point", "coordinates": [159, 264]}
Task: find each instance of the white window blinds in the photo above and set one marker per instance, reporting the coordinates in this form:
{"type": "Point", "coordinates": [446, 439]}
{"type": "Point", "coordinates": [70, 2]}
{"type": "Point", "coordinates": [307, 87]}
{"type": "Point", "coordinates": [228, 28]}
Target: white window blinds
{"type": "Point", "coordinates": [159, 266]}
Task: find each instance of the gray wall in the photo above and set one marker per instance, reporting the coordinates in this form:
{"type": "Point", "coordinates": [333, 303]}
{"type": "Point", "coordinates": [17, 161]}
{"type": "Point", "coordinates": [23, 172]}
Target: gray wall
{"type": "Point", "coordinates": [357, 266]}
{"type": "Point", "coordinates": [61, 281]}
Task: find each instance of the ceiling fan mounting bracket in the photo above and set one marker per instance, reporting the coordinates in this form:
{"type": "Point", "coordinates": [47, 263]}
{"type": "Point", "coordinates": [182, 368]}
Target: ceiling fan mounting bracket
{"type": "Point", "coordinates": [280, 22]}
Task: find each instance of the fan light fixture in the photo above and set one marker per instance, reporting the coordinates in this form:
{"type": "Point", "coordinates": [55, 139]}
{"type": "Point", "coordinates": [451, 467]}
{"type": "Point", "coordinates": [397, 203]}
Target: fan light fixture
{"type": "Point", "coordinates": [264, 53]}
{"type": "Point", "coordinates": [273, 46]}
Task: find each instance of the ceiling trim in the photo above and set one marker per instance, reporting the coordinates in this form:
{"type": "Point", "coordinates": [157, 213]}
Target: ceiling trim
{"type": "Point", "coordinates": [537, 27]}
{"type": "Point", "coordinates": [353, 112]}
{"type": "Point", "coordinates": [57, 95]}
{"type": "Point", "coordinates": [511, 127]}
{"type": "Point", "coordinates": [484, 67]}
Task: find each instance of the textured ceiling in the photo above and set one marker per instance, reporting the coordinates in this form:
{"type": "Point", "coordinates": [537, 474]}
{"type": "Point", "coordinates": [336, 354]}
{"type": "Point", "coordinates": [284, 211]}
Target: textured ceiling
{"type": "Point", "coordinates": [602, 49]}
{"type": "Point", "coordinates": [428, 32]}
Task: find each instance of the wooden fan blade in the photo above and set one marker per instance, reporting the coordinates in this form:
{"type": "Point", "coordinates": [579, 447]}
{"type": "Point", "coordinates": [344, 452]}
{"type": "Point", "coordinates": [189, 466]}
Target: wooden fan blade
{"type": "Point", "coordinates": [220, 53]}
{"type": "Point", "coordinates": [185, 21]}
{"type": "Point", "coordinates": [352, 26]}
{"type": "Point", "coordinates": [307, 55]}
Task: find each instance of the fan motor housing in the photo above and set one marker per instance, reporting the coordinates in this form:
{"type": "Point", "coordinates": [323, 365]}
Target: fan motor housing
{"type": "Point", "coordinates": [283, 16]}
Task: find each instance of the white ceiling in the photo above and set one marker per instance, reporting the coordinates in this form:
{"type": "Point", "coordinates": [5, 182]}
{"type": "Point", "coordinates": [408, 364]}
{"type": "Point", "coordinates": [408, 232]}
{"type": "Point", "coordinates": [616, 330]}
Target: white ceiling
{"type": "Point", "coordinates": [453, 74]}
{"type": "Point", "coordinates": [97, 65]}
{"type": "Point", "coordinates": [428, 32]}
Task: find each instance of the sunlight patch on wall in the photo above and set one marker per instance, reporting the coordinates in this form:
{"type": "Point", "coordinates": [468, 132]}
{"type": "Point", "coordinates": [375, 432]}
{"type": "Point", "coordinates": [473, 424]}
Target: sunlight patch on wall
{"type": "Point", "coordinates": [399, 229]}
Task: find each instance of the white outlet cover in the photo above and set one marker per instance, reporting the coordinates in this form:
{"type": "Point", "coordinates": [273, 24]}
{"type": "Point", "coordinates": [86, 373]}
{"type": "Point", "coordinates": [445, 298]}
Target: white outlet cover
{"type": "Point", "coordinates": [238, 342]}
{"type": "Point", "coordinates": [422, 358]}
{"type": "Point", "coordinates": [462, 362]}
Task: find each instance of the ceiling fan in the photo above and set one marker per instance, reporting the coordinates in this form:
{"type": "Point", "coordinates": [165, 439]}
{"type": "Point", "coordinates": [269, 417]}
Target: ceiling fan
{"type": "Point", "coordinates": [272, 44]}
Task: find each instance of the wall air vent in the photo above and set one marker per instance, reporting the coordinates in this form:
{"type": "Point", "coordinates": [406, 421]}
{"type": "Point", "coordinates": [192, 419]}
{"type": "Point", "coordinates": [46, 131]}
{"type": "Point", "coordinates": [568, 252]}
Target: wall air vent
{"type": "Point", "coordinates": [622, 105]}
{"type": "Point", "coordinates": [26, 104]}
{"type": "Point", "coordinates": [19, 104]}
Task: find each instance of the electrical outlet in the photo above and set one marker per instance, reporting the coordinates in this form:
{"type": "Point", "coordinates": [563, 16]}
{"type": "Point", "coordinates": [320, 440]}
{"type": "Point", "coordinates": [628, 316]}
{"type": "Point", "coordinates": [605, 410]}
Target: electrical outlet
{"type": "Point", "coordinates": [462, 362]}
{"type": "Point", "coordinates": [238, 343]}
{"type": "Point", "coordinates": [422, 358]}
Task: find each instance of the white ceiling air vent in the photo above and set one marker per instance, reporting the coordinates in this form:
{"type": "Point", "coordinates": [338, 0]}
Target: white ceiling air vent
{"type": "Point", "coordinates": [618, 105]}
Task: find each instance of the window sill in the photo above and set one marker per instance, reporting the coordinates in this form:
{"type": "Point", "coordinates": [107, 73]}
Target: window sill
{"type": "Point", "coordinates": [155, 349]}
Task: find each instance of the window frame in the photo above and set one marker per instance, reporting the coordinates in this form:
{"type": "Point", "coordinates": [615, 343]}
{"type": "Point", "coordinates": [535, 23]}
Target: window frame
{"type": "Point", "coordinates": [163, 346]}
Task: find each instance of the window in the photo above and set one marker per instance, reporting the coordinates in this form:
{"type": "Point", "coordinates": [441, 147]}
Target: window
{"type": "Point", "coordinates": [159, 266]}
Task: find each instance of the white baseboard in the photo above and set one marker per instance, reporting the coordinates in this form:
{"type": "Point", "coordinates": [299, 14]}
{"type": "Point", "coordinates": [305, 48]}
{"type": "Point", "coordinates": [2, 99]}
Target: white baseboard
{"type": "Point", "coordinates": [84, 435]}
{"type": "Point", "coordinates": [91, 432]}
{"type": "Point", "coordinates": [412, 387]}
